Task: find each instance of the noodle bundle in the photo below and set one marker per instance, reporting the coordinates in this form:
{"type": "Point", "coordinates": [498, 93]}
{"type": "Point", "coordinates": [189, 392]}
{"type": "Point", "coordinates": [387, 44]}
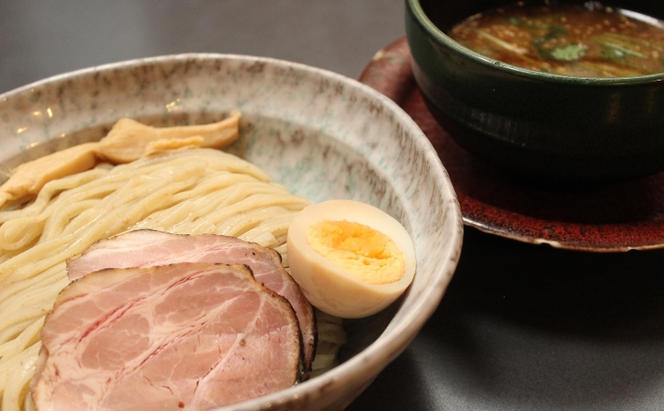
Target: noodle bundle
{"type": "Point", "coordinates": [188, 190]}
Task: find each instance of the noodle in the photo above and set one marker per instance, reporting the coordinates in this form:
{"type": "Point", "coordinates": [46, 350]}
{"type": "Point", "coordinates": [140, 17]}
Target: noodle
{"type": "Point", "coordinates": [16, 375]}
{"type": "Point", "coordinates": [192, 190]}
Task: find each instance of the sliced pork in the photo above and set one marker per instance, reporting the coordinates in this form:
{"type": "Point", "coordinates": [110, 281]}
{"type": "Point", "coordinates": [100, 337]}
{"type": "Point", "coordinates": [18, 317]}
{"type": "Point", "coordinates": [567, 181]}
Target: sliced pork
{"type": "Point", "coordinates": [185, 336]}
{"type": "Point", "coordinates": [147, 248]}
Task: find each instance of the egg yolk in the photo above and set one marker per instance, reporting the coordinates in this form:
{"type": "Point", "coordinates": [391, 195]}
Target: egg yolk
{"type": "Point", "coordinates": [365, 253]}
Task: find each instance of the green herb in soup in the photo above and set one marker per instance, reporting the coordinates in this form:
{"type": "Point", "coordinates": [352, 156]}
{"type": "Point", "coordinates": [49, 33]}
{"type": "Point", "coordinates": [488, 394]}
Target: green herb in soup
{"type": "Point", "coordinates": [589, 40]}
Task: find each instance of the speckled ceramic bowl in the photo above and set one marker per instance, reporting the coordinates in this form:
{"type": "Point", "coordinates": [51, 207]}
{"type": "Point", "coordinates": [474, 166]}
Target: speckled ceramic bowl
{"type": "Point", "coordinates": [320, 134]}
{"type": "Point", "coordinates": [537, 124]}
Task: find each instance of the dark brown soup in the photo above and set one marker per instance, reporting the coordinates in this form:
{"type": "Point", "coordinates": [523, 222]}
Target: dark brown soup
{"type": "Point", "coordinates": [587, 40]}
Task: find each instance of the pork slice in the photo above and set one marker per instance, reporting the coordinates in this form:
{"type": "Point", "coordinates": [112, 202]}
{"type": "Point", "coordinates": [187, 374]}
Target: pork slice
{"type": "Point", "coordinates": [147, 248]}
{"type": "Point", "coordinates": [184, 336]}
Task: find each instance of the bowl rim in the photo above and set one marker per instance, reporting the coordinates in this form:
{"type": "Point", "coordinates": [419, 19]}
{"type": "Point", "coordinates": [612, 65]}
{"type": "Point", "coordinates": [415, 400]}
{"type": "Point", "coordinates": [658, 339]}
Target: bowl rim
{"type": "Point", "coordinates": [438, 35]}
{"type": "Point", "coordinates": [391, 342]}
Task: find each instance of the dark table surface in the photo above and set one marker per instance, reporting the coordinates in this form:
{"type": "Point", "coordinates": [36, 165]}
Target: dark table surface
{"type": "Point", "coordinates": [522, 327]}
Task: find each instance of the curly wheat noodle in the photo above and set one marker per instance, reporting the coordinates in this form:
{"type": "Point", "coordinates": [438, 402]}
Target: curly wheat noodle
{"type": "Point", "coordinates": [51, 189]}
{"type": "Point", "coordinates": [184, 191]}
{"type": "Point", "coordinates": [241, 223]}
{"type": "Point", "coordinates": [15, 379]}
{"type": "Point", "coordinates": [10, 332]}
{"type": "Point", "coordinates": [201, 205]}
{"type": "Point", "coordinates": [110, 220]}
{"type": "Point", "coordinates": [28, 336]}
{"type": "Point", "coordinates": [16, 289]}
{"type": "Point", "coordinates": [34, 301]}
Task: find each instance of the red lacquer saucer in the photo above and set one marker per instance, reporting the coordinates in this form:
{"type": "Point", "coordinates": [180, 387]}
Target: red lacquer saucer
{"type": "Point", "coordinates": [600, 218]}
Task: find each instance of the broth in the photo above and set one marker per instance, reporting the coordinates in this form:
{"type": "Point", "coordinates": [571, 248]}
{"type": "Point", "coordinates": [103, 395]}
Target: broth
{"type": "Point", "coordinates": [587, 40]}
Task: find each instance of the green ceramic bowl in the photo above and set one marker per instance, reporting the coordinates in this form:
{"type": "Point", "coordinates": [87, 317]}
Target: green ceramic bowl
{"type": "Point", "coordinates": [538, 124]}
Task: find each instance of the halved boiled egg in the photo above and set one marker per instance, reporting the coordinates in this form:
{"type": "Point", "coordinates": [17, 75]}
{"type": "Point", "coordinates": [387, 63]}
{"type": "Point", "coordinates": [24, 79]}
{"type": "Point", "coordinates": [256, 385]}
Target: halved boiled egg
{"type": "Point", "coordinates": [350, 259]}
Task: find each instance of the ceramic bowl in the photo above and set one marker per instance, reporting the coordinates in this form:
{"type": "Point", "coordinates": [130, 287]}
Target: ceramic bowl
{"type": "Point", "coordinates": [318, 133]}
{"type": "Point", "coordinates": [534, 123]}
